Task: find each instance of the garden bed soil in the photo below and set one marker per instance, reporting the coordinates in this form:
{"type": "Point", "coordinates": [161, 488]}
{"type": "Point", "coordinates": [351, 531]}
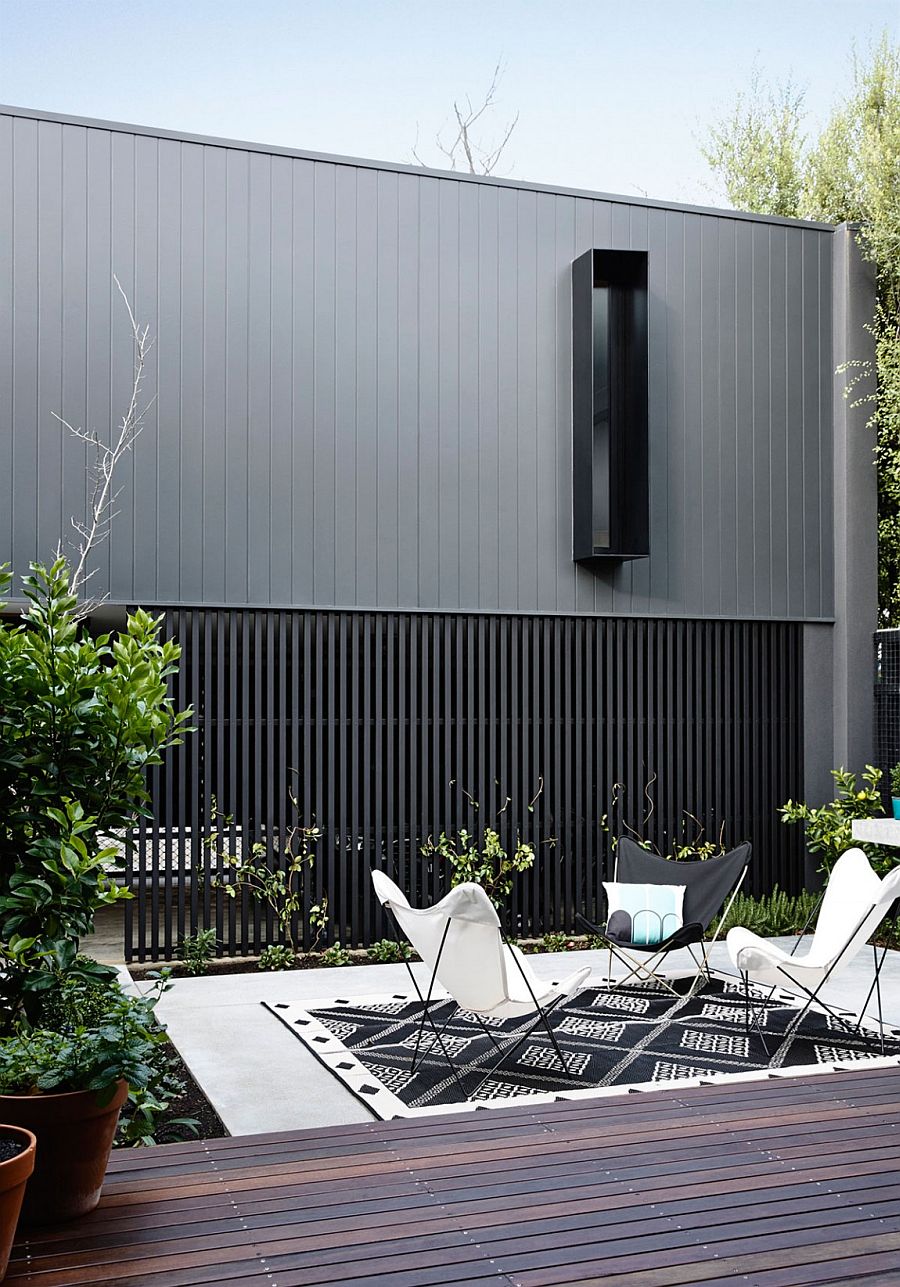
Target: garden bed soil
{"type": "Point", "coordinates": [305, 961]}
{"type": "Point", "coordinates": [190, 1103]}
{"type": "Point", "coordinates": [359, 956]}
{"type": "Point", "coordinates": [193, 1103]}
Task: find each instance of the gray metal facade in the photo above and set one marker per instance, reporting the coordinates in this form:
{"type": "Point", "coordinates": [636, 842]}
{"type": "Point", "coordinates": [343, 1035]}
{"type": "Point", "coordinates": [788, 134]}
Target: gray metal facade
{"type": "Point", "coordinates": [363, 376]}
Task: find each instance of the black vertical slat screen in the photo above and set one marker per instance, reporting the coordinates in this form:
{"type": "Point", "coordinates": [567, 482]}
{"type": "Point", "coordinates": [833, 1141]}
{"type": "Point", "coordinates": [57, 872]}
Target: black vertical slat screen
{"type": "Point", "coordinates": [386, 725]}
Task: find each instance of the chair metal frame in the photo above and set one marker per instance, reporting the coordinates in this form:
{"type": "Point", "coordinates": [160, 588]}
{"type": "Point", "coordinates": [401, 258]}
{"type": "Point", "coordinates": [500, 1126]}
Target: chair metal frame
{"type": "Point", "coordinates": [751, 1015]}
{"type": "Point", "coordinates": [646, 970]}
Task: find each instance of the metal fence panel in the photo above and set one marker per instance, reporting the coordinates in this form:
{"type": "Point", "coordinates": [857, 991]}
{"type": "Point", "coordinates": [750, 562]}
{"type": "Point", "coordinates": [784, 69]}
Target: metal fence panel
{"type": "Point", "coordinates": [388, 726]}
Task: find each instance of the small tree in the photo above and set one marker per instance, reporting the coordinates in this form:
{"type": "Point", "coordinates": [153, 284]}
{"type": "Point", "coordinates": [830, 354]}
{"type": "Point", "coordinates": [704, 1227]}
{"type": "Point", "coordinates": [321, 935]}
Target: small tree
{"type": "Point", "coordinates": [480, 856]}
{"type": "Point", "coordinates": [462, 144]}
{"type": "Point", "coordinates": [829, 828]}
{"type": "Point", "coordinates": [273, 876]}
{"type": "Point", "coordinates": [483, 861]}
{"type": "Point", "coordinates": [851, 172]}
{"type": "Point", "coordinates": [81, 720]}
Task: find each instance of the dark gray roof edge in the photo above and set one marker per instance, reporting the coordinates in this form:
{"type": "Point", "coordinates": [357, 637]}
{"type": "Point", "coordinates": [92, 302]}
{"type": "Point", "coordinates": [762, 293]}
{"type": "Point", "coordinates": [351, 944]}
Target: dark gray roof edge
{"type": "Point", "coordinates": [177, 136]}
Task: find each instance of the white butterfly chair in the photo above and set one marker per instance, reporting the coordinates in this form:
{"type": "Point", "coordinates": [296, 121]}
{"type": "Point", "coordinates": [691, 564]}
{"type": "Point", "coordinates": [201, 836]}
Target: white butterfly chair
{"type": "Point", "coordinates": [854, 904]}
{"type": "Point", "coordinates": [461, 943]}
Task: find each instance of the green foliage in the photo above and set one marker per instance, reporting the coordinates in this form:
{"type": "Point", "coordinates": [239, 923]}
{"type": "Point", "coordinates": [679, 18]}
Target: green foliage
{"type": "Point", "coordinates": [773, 914]}
{"type": "Point", "coordinates": [274, 875]}
{"type": "Point", "coordinates": [76, 1002]}
{"type": "Point", "coordinates": [145, 1117]}
{"type": "Point", "coordinates": [118, 1043]}
{"type": "Point", "coordinates": [89, 1035]}
{"type": "Point", "coordinates": [554, 943]}
{"type": "Point", "coordinates": [197, 950]}
{"type": "Point", "coordinates": [828, 827]}
{"type": "Point", "coordinates": [488, 865]}
{"type": "Point", "coordinates": [277, 956]}
{"type": "Point", "coordinates": [851, 172]}
{"type": "Point", "coordinates": [336, 955]}
{"type": "Point", "coordinates": [388, 950]}
{"type": "Point", "coordinates": [81, 719]}
{"type": "Point", "coordinates": [895, 780]}
{"type": "Point", "coordinates": [687, 842]}
{"type": "Point", "coordinates": [758, 150]}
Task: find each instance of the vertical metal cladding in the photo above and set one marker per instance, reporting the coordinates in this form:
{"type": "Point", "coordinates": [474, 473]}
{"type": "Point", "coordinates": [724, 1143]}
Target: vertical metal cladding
{"type": "Point", "coordinates": [385, 725]}
{"type": "Point", "coordinates": [364, 383]}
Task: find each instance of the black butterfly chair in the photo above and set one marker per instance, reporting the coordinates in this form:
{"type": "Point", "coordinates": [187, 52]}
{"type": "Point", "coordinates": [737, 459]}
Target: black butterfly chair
{"type": "Point", "coordinates": [707, 884]}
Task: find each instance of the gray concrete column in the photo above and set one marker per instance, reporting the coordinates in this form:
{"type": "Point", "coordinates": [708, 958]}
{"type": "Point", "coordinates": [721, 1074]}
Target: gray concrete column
{"type": "Point", "coordinates": [855, 509]}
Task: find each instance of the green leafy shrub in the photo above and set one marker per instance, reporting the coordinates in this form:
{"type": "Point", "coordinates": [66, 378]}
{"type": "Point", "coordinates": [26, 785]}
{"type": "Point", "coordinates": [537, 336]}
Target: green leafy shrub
{"type": "Point", "coordinates": [277, 956]}
{"type": "Point", "coordinates": [770, 915]}
{"type": "Point", "coordinates": [895, 781]}
{"type": "Point", "coordinates": [82, 717]}
{"type": "Point", "coordinates": [197, 951]}
{"type": "Point", "coordinates": [829, 827]}
{"type": "Point", "coordinates": [554, 943]}
{"type": "Point", "coordinates": [388, 950]}
{"type": "Point", "coordinates": [118, 1044]}
{"type": "Point", "coordinates": [274, 876]}
{"type": "Point", "coordinates": [145, 1118]}
{"type": "Point", "coordinates": [81, 720]}
{"type": "Point", "coordinates": [488, 864]}
{"type": "Point", "coordinates": [336, 955]}
{"type": "Point", "coordinates": [90, 1034]}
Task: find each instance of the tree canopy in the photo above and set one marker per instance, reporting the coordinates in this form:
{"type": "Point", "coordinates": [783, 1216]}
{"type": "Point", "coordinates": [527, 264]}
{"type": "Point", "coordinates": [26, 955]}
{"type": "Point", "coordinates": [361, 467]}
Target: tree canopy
{"type": "Point", "coordinates": [849, 171]}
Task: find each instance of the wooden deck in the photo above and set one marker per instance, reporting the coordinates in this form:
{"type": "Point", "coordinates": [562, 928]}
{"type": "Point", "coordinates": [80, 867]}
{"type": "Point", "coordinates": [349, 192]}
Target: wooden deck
{"type": "Point", "coordinates": [771, 1182]}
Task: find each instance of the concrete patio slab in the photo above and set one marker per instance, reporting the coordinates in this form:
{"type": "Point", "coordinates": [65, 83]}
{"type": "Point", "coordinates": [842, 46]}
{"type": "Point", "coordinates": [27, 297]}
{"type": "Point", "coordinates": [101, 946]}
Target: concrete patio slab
{"type": "Point", "coordinates": [260, 1078]}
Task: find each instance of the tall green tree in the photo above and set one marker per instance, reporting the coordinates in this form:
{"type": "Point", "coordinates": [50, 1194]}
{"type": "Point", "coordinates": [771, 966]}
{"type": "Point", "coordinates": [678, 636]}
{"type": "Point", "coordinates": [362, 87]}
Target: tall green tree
{"type": "Point", "coordinates": [849, 171]}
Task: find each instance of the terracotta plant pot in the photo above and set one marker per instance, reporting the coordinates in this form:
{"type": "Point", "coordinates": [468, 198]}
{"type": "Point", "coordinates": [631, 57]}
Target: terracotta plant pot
{"type": "Point", "coordinates": [14, 1175]}
{"type": "Point", "coordinates": [74, 1136]}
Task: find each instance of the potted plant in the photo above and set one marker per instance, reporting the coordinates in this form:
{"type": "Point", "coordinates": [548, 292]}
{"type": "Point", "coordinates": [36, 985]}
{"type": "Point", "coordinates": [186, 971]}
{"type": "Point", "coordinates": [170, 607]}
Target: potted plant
{"type": "Point", "coordinates": [66, 1080]}
{"type": "Point", "coordinates": [895, 790]}
{"type": "Point", "coordinates": [17, 1148]}
{"type": "Point", "coordinates": [81, 717]}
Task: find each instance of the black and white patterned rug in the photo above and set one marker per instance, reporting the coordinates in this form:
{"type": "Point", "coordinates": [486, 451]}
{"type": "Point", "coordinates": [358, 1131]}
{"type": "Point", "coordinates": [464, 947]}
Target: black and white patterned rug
{"type": "Point", "coordinates": [635, 1037]}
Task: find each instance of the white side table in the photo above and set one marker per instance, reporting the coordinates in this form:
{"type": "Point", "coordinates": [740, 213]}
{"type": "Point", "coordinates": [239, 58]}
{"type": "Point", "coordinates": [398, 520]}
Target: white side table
{"type": "Point", "coordinates": [877, 831]}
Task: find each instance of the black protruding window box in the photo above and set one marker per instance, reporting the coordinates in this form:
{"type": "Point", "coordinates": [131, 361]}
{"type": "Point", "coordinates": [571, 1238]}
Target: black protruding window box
{"type": "Point", "coordinates": [610, 490]}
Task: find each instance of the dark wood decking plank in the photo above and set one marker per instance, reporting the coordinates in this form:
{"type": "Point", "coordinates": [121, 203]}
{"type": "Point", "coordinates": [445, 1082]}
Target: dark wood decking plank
{"type": "Point", "coordinates": [746, 1169]}
{"type": "Point", "coordinates": [602, 1226]}
{"type": "Point", "coordinates": [792, 1090]}
{"type": "Point", "coordinates": [280, 1149]}
{"type": "Point", "coordinates": [611, 1192]}
{"type": "Point", "coordinates": [509, 1149]}
{"type": "Point", "coordinates": [681, 1269]}
{"type": "Point", "coordinates": [870, 1270]}
{"type": "Point", "coordinates": [660, 1228]}
{"type": "Point", "coordinates": [357, 1229]}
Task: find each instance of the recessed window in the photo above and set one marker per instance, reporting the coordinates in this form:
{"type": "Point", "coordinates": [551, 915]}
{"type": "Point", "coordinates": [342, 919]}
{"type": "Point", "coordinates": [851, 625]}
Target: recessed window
{"type": "Point", "coordinates": [609, 375]}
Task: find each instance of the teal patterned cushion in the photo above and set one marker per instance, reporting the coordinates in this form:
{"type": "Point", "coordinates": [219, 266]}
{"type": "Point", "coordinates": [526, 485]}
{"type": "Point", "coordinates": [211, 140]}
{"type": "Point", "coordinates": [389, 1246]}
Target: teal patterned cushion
{"type": "Point", "coordinates": [643, 914]}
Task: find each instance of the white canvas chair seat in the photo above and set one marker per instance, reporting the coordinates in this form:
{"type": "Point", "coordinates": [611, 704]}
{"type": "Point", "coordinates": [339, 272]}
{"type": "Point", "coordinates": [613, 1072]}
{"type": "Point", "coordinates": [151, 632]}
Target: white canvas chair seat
{"type": "Point", "coordinates": [854, 904]}
{"type": "Point", "coordinates": [769, 965]}
{"type": "Point", "coordinates": [460, 941]}
{"type": "Point", "coordinates": [520, 1001]}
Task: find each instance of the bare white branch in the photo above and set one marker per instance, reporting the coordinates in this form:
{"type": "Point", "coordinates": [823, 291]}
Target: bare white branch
{"type": "Point", "coordinates": [94, 528]}
{"type": "Point", "coordinates": [461, 147]}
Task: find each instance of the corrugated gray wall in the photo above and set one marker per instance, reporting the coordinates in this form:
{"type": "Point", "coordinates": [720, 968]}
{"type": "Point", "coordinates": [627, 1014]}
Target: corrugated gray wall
{"type": "Point", "coordinates": [364, 386]}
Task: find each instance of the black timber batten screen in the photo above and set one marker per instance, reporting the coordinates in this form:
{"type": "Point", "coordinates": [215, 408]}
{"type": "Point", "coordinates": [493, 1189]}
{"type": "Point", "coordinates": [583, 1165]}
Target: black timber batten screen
{"type": "Point", "coordinates": [386, 725]}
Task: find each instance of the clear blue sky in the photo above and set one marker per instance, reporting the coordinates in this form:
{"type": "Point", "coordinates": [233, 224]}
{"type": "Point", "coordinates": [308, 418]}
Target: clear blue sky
{"type": "Point", "coordinates": [612, 95]}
